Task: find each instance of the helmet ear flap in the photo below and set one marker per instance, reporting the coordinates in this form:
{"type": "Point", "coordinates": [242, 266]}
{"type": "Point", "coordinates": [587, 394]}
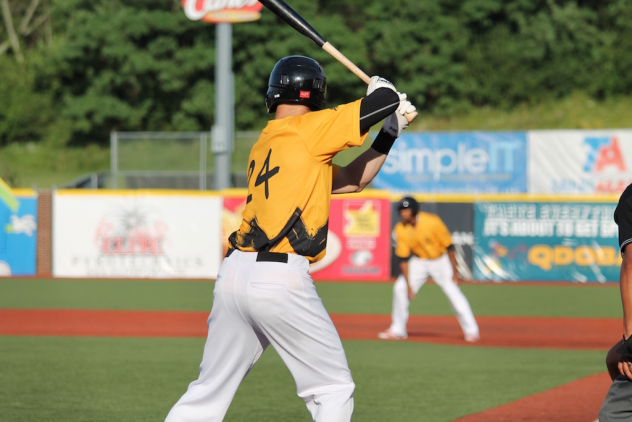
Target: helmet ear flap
{"type": "Point", "coordinates": [297, 80]}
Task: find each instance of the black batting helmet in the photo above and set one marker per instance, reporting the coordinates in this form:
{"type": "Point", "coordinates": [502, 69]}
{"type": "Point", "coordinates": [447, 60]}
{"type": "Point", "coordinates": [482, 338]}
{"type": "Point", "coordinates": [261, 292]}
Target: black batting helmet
{"type": "Point", "coordinates": [297, 80]}
{"type": "Point", "coordinates": [406, 203]}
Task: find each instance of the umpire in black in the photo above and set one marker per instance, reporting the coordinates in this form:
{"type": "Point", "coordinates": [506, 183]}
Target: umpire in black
{"type": "Point", "coordinates": [618, 403]}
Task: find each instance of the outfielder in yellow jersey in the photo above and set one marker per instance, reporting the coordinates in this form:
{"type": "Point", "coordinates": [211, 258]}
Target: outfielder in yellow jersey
{"type": "Point", "coordinates": [264, 295]}
{"type": "Point", "coordinates": [425, 249]}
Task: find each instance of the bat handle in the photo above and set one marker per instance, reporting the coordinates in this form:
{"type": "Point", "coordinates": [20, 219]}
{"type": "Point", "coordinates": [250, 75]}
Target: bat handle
{"type": "Point", "coordinates": [346, 62]}
{"type": "Point", "coordinates": [333, 51]}
{"type": "Point", "coordinates": [411, 116]}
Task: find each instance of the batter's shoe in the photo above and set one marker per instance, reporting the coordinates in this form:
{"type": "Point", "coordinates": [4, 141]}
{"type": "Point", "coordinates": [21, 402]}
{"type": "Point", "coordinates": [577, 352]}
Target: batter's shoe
{"type": "Point", "coordinates": [472, 338]}
{"type": "Point", "coordinates": [389, 335]}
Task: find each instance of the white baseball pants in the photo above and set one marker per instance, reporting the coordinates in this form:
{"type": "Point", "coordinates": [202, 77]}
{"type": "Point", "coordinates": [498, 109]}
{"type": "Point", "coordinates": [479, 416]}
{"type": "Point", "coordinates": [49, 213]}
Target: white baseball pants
{"type": "Point", "coordinates": [440, 270]}
{"type": "Point", "coordinates": [256, 304]}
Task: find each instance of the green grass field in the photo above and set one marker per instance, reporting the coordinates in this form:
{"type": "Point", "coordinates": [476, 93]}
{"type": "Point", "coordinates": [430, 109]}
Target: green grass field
{"type": "Point", "coordinates": [63, 379]}
{"type": "Point", "coordinates": [354, 298]}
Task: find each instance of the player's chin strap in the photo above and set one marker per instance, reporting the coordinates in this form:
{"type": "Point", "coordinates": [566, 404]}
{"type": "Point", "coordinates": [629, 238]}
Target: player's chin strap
{"type": "Point", "coordinates": [625, 349]}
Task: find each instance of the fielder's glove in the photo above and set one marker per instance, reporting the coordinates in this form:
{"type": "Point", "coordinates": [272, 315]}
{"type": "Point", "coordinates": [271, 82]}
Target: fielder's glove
{"type": "Point", "coordinates": [397, 122]}
{"type": "Point", "coordinates": [377, 82]}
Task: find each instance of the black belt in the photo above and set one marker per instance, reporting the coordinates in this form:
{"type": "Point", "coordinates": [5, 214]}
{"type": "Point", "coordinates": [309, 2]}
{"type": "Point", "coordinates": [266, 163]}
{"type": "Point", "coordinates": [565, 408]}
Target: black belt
{"type": "Point", "coordinates": [266, 256]}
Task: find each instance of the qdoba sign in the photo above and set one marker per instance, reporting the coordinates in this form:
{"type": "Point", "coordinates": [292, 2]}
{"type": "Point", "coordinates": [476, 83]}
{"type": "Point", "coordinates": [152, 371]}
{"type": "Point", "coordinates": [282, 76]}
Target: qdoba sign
{"type": "Point", "coordinates": [222, 11]}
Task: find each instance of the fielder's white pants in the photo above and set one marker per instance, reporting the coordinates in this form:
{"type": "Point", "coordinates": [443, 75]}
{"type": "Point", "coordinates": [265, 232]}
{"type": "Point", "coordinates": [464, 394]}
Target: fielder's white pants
{"type": "Point", "coordinates": [256, 304]}
{"type": "Point", "coordinates": [440, 270]}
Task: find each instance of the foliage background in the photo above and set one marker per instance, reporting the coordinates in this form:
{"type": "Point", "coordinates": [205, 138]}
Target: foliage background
{"type": "Point", "coordinates": [142, 65]}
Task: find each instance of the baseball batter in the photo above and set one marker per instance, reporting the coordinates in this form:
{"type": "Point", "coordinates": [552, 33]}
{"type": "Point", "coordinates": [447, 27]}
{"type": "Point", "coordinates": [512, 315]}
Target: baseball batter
{"type": "Point", "coordinates": [617, 405]}
{"type": "Point", "coordinates": [425, 247]}
{"type": "Point", "coordinates": [264, 295]}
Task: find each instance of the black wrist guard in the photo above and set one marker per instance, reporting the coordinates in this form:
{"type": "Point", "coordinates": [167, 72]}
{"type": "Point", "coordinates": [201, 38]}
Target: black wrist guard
{"type": "Point", "coordinates": [625, 349]}
{"type": "Point", "coordinates": [383, 142]}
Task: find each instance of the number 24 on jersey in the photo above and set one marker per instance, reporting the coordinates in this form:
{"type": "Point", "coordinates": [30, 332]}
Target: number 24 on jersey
{"type": "Point", "coordinates": [264, 175]}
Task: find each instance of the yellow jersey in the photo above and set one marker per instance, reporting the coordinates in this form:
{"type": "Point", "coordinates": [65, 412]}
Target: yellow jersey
{"type": "Point", "coordinates": [428, 239]}
{"type": "Point", "coordinates": [290, 176]}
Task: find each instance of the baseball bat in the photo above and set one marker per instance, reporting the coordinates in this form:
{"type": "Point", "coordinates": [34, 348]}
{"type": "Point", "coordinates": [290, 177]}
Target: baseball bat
{"type": "Point", "coordinates": [296, 21]}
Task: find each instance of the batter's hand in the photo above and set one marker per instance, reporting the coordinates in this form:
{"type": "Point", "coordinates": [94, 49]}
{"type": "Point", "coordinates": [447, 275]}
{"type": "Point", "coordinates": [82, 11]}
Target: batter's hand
{"type": "Point", "coordinates": [624, 368]}
{"type": "Point", "coordinates": [396, 122]}
{"type": "Point", "coordinates": [377, 82]}
{"type": "Point", "coordinates": [612, 360]}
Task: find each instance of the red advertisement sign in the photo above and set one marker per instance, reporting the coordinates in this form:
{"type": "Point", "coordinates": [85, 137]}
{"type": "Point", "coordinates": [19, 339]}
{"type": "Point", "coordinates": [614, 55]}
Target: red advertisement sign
{"type": "Point", "coordinates": [222, 11]}
{"type": "Point", "coordinates": [231, 217]}
{"type": "Point", "coordinates": [358, 244]}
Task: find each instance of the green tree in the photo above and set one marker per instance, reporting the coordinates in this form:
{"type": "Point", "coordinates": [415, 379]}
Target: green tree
{"type": "Point", "coordinates": [142, 65]}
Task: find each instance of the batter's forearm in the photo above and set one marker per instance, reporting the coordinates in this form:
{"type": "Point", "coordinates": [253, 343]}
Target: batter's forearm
{"type": "Point", "coordinates": [625, 281]}
{"type": "Point", "coordinates": [359, 173]}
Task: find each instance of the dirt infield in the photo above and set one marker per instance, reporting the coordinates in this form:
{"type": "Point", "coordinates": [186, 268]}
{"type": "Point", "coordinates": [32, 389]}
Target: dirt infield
{"type": "Point", "coordinates": [560, 333]}
{"type": "Point", "coordinates": [578, 401]}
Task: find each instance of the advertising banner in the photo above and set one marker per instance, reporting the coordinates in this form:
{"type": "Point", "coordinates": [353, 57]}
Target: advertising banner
{"type": "Point", "coordinates": [223, 11]}
{"type": "Point", "coordinates": [358, 243]}
{"type": "Point", "coordinates": [459, 219]}
{"type": "Point", "coordinates": [580, 161]}
{"type": "Point", "coordinates": [546, 241]}
{"type": "Point", "coordinates": [136, 234]}
{"type": "Point", "coordinates": [18, 233]}
{"type": "Point", "coordinates": [464, 162]}
{"type": "Point", "coordinates": [234, 205]}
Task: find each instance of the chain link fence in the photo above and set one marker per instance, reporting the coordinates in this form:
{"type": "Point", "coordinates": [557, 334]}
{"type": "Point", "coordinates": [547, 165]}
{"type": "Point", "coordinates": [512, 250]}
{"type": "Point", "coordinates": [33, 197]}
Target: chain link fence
{"type": "Point", "coordinates": [172, 160]}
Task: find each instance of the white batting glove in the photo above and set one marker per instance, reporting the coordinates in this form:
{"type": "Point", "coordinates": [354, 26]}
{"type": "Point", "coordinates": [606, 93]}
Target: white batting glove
{"type": "Point", "coordinates": [377, 82]}
{"type": "Point", "coordinates": [397, 122]}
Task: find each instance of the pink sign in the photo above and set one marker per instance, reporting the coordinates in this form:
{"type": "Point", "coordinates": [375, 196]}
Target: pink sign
{"type": "Point", "coordinates": [231, 217]}
{"type": "Point", "coordinates": [222, 11]}
{"type": "Point", "coordinates": [358, 244]}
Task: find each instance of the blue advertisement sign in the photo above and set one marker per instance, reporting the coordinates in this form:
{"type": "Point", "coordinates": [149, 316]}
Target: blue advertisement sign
{"type": "Point", "coordinates": [18, 234]}
{"type": "Point", "coordinates": [460, 162]}
{"type": "Point", "coordinates": [546, 241]}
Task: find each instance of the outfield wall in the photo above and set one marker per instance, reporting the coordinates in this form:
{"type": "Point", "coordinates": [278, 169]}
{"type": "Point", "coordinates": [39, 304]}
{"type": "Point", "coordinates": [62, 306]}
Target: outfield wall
{"type": "Point", "coordinates": [136, 234]}
{"type": "Point", "coordinates": [556, 162]}
{"type": "Point", "coordinates": [182, 234]}
{"type": "Point", "coordinates": [18, 233]}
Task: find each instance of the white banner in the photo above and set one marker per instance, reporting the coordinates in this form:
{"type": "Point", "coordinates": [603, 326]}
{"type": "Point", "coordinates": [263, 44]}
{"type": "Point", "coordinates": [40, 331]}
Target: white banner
{"type": "Point", "coordinates": [136, 234]}
{"type": "Point", "coordinates": [579, 161]}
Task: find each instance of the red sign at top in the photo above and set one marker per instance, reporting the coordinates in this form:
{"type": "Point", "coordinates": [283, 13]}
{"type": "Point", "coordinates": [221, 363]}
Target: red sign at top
{"type": "Point", "coordinates": [222, 11]}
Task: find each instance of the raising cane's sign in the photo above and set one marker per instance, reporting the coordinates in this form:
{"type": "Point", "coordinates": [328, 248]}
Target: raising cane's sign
{"type": "Point", "coordinates": [222, 11]}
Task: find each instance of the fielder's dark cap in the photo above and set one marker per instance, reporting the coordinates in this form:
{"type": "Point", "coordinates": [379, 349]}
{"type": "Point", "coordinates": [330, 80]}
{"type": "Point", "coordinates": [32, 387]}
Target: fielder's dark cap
{"type": "Point", "coordinates": [408, 203]}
